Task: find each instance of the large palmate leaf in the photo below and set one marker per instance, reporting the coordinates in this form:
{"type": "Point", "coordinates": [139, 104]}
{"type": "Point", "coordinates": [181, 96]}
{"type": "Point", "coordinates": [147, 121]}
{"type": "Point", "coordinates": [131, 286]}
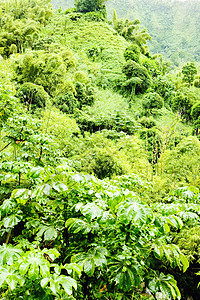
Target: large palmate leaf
{"type": "Point", "coordinates": [134, 212]}
{"type": "Point", "coordinates": [49, 232]}
{"type": "Point", "coordinates": [9, 254]}
{"type": "Point", "coordinates": [56, 282]}
{"type": "Point", "coordinates": [166, 284]}
{"type": "Point", "coordinates": [78, 225]}
{"type": "Point", "coordinates": [93, 258]}
{"type": "Point", "coordinates": [13, 219]}
{"type": "Point", "coordinates": [34, 265]}
{"type": "Point", "coordinates": [172, 254]}
{"type": "Point", "coordinates": [10, 277]}
{"type": "Point", "coordinates": [125, 271]}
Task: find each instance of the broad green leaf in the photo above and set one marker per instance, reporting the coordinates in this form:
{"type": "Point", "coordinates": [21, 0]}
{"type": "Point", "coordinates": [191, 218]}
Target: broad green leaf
{"type": "Point", "coordinates": [91, 211]}
{"type": "Point", "coordinates": [50, 234]}
{"type": "Point", "coordinates": [89, 266]}
{"type": "Point", "coordinates": [12, 220]}
{"type": "Point", "coordinates": [9, 254]}
{"type": "Point", "coordinates": [60, 187]}
{"type": "Point", "coordinates": [8, 205]}
{"type": "Point", "coordinates": [47, 189]}
{"type": "Point", "coordinates": [153, 286]}
{"type": "Point", "coordinates": [73, 268]}
{"type": "Point", "coordinates": [184, 262]}
{"type": "Point", "coordinates": [19, 193]}
{"type": "Point", "coordinates": [68, 283]}
{"type": "Point", "coordinates": [35, 172]}
{"type": "Point", "coordinates": [158, 252]}
{"type": "Point", "coordinates": [165, 290]}
{"type": "Point", "coordinates": [44, 282]}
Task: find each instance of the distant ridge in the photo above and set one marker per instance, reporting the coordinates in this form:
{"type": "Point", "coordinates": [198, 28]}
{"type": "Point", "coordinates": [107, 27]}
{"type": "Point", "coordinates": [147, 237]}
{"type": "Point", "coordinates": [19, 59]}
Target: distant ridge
{"type": "Point", "coordinates": [173, 24]}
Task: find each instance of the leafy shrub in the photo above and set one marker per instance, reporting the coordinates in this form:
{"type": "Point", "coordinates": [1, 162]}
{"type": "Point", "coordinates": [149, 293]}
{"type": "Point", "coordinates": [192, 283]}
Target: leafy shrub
{"type": "Point", "coordinates": [195, 111]}
{"type": "Point", "coordinates": [183, 102]}
{"type": "Point", "coordinates": [86, 6]}
{"type": "Point", "coordinates": [152, 101]}
{"type": "Point", "coordinates": [164, 87]}
{"type": "Point", "coordinates": [98, 155]}
{"type": "Point", "coordinates": [93, 52]}
{"type": "Point", "coordinates": [50, 67]}
{"type": "Point", "coordinates": [197, 81]}
{"type": "Point", "coordinates": [152, 65]}
{"type": "Point", "coordinates": [189, 71]}
{"type": "Point", "coordinates": [32, 95]}
{"type": "Point", "coordinates": [45, 69]}
{"type": "Point", "coordinates": [153, 141]}
{"type": "Point", "coordinates": [196, 127]}
{"type": "Point", "coordinates": [68, 58]}
{"type": "Point", "coordinates": [59, 127]}
{"type": "Point", "coordinates": [117, 121]}
{"type": "Point", "coordinates": [132, 69]}
{"type": "Point", "coordinates": [105, 165]}
{"type": "Point", "coordinates": [132, 53]}
{"type": "Point", "coordinates": [81, 77]}
{"type": "Point", "coordinates": [84, 94]}
{"type": "Point", "coordinates": [41, 43]}
{"type": "Point", "coordinates": [8, 104]}
{"type": "Point", "coordinates": [94, 16]}
{"type": "Point", "coordinates": [182, 164]}
{"type": "Point", "coordinates": [134, 150]}
{"type": "Point", "coordinates": [66, 102]}
{"type": "Point", "coordinates": [147, 122]}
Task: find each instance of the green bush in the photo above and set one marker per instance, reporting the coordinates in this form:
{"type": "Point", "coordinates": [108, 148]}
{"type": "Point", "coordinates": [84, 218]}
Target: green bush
{"type": "Point", "coordinates": [117, 121]}
{"type": "Point", "coordinates": [84, 94]}
{"type": "Point", "coordinates": [152, 101]}
{"type": "Point", "coordinates": [81, 77]}
{"type": "Point", "coordinates": [132, 53]}
{"type": "Point", "coordinates": [32, 95]}
{"type": "Point", "coordinates": [93, 52]}
{"type": "Point", "coordinates": [133, 148]}
{"type": "Point", "coordinates": [195, 111]}
{"type": "Point", "coordinates": [183, 102]}
{"type": "Point", "coordinates": [181, 165]}
{"type": "Point", "coordinates": [132, 69]}
{"type": "Point", "coordinates": [164, 87]}
{"type": "Point", "coordinates": [66, 102]}
{"type": "Point", "coordinates": [105, 165]}
{"type": "Point", "coordinates": [147, 122]}
{"type": "Point", "coordinates": [94, 16]}
{"type": "Point", "coordinates": [60, 128]}
{"type": "Point", "coordinates": [152, 138]}
{"type": "Point", "coordinates": [86, 6]}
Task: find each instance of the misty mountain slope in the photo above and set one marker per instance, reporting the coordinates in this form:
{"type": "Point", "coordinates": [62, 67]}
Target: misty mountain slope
{"type": "Point", "coordinates": [173, 25]}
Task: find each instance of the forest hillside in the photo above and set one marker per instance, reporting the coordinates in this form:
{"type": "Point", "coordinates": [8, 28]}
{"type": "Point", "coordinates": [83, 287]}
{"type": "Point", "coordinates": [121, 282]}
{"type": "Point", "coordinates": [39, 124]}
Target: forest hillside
{"type": "Point", "coordinates": [173, 25]}
{"type": "Point", "coordinates": [99, 158]}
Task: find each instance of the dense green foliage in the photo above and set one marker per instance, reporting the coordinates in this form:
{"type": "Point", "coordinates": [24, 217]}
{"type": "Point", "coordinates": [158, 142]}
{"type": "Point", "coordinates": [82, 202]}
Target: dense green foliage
{"type": "Point", "coordinates": [99, 159]}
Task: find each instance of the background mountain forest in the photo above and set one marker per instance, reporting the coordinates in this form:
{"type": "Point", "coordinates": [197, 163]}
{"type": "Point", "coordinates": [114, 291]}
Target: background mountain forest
{"type": "Point", "coordinates": [99, 154]}
{"type": "Point", "coordinates": [173, 25]}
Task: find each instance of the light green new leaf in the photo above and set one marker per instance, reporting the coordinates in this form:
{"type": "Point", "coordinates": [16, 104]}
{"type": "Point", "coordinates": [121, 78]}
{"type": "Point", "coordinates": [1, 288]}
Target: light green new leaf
{"type": "Point", "coordinates": [89, 266]}
{"type": "Point", "coordinates": [67, 283]}
{"type": "Point", "coordinates": [91, 211]}
{"type": "Point", "coordinates": [184, 262]}
{"type": "Point", "coordinates": [78, 225]}
{"type": "Point", "coordinates": [50, 234]}
{"type": "Point", "coordinates": [44, 282]}
{"type": "Point", "coordinates": [9, 254]}
{"type": "Point", "coordinates": [12, 220]}
{"type": "Point", "coordinates": [75, 268]}
{"type": "Point", "coordinates": [18, 193]}
{"type": "Point", "coordinates": [60, 187]}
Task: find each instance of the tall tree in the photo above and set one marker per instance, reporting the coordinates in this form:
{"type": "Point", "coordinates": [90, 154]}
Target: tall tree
{"type": "Point", "coordinates": [189, 71]}
{"type": "Point", "coordinates": [90, 5]}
